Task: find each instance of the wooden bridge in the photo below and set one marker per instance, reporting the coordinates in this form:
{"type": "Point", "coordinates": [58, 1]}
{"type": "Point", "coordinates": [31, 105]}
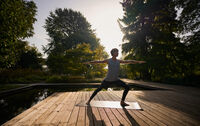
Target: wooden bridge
{"type": "Point", "coordinates": [178, 106]}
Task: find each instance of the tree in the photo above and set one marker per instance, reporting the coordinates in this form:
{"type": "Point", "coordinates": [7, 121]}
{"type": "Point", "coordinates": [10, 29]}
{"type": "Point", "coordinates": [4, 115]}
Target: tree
{"type": "Point", "coordinates": [189, 32]}
{"type": "Point", "coordinates": [71, 63]}
{"type": "Point", "coordinates": [67, 28]}
{"type": "Point", "coordinates": [29, 57]}
{"type": "Point", "coordinates": [149, 28]}
{"type": "Point", "coordinates": [16, 23]}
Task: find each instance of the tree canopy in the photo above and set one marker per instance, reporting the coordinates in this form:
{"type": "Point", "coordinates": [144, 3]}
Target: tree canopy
{"type": "Point", "coordinates": [67, 28]}
{"type": "Point", "coordinates": [72, 41]}
{"type": "Point", "coordinates": [150, 30]}
{"type": "Point", "coordinates": [29, 57]}
{"type": "Point", "coordinates": [71, 63]}
{"type": "Point", "coordinates": [16, 23]}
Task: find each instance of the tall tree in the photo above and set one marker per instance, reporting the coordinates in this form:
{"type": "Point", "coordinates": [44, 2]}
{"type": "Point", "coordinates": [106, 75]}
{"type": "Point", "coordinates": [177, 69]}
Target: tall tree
{"type": "Point", "coordinates": [16, 22]}
{"type": "Point", "coordinates": [67, 28]}
{"type": "Point", "coordinates": [189, 32]}
{"type": "Point", "coordinates": [148, 27]}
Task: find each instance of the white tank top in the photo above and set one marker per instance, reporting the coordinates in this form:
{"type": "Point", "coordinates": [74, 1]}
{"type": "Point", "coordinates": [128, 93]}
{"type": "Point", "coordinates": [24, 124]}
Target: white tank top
{"type": "Point", "coordinates": [113, 70]}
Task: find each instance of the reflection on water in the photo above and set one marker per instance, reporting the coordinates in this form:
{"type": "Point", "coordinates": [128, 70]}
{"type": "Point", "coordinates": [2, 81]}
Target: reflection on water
{"type": "Point", "coordinates": [12, 105]}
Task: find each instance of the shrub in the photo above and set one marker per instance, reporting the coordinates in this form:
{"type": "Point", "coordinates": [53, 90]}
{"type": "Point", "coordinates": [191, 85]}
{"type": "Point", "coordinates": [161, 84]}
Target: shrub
{"type": "Point", "coordinates": [22, 76]}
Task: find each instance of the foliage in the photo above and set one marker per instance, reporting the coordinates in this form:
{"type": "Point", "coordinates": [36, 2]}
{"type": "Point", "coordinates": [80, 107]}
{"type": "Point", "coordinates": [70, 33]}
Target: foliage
{"type": "Point", "coordinates": [21, 76]}
{"type": "Point", "coordinates": [67, 28]}
{"type": "Point", "coordinates": [148, 32]}
{"type": "Point", "coordinates": [72, 41]}
{"type": "Point", "coordinates": [16, 22]}
{"type": "Point", "coordinates": [71, 79]}
{"type": "Point", "coordinates": [150, 29]}
{"type": "Point", "coordinates": [29, 57]}
{"type": "Point", "coordinates": [71, 63]}
{"type": "Point", "coordinates": [189, 31]}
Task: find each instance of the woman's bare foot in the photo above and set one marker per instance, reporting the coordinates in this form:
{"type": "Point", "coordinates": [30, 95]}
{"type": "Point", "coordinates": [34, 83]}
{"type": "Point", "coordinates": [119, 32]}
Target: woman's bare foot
{"type": "Point", "coordinates": [122, 103]}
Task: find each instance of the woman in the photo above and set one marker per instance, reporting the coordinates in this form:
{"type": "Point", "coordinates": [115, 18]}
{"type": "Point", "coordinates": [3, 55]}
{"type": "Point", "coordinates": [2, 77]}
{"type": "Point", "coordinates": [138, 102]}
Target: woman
{"type": "Point", "coordinates": [112, 75]}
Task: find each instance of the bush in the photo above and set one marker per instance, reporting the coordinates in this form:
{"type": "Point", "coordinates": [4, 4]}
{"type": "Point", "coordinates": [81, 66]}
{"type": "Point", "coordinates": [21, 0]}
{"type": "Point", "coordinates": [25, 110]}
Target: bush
{"type": "Point", "coordinates": [71, 79]}
{"type": "Point", "coordinates": [64, 79]}
{"type": "Point", "coordinates": [22, 76]}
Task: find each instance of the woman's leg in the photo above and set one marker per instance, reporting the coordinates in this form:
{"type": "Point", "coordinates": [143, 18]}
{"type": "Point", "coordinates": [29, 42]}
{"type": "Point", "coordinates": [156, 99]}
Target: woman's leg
{"type": "Point", "coordinates": [96, 91]}
{"type": "Point", "coordinates": [127, 88]}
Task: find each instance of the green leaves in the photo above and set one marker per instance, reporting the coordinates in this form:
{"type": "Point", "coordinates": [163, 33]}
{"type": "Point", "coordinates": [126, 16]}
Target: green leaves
{"type": "Point", "coordinates": [71, 62]}
{"type": "Point", "coordinates": [149, 31]}
{"type": "Point", "coordinates": [72, 43]}
{"type": "Point", "coordinates": [16, 22]}
{"type": "Point", "coordinates": [67, 28]}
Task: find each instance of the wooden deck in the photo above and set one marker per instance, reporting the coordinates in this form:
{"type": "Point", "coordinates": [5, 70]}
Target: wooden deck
{"type": "Point", "coordinates": [159, 108]}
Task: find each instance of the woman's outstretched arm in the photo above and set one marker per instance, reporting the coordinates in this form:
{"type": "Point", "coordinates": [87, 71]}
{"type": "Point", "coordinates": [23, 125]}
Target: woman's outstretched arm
{"type": "Point", "coordinates": [131, 61]}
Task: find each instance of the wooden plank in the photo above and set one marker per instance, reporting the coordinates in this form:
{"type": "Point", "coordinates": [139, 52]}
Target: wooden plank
{"type": "Point", "coordinates": [96, 115]}
{"type": "Point", "coordinates": [44, 108]}
{"type": "Point", "coordinates": [137, 120]}
{"type": "Point", "coordinates": [89, 116]}
{"type": "Point", "coordinates": [114, 121]}
{"type": "Point", "coordinates": [82, 113]}
{"type": "Point", "coordinates": [58, 103]}
{"type": "Point", "coordinates": [180, 98]}
{"type": "Point", "coordinates": [176, 101]}
{"type": "Point", "coordinates": [154, 110]}
{"type": "Point", "coordinates": [53, 117]}
{"type": "Point", "coordinates": [60, 110]}
{"type": "Point", "coordinates": [181, 117]}
{"type": "Point", "coordinates": [67, 109]}
{"type": "Point", "coordinates": [28, 111]}
{"type": "Point", "coordinates": [74, 116]}
{"type": "Point", "coordinates": [116, 112]}
{"type": "Point", "coordinates": [149, 119]}
{"type": "Point", "coordinates": [124, 112]}
{"type": "Point", "coordinates": [54, 112]}
{"type": "Point", "coordinates": [50, 107]}
{"type": "Point", "coordinates": [103, 114]}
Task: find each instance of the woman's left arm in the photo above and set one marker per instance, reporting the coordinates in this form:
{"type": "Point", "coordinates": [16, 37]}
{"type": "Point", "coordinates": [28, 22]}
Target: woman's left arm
{"type": "Point", "coordinates": [131, 61]}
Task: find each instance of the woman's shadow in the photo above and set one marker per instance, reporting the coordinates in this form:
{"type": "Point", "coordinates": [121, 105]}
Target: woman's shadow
{"type": "Point", "coordinates": [94, 122]}
{"type": "Point", "coordinates": [92, 119]}
{"type": "Point", "coordinates": [130, 118]}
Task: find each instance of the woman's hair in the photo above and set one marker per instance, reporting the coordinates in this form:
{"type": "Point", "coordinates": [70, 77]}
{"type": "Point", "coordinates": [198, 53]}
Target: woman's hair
{"type": "Point", "coordinates": [113, 50]}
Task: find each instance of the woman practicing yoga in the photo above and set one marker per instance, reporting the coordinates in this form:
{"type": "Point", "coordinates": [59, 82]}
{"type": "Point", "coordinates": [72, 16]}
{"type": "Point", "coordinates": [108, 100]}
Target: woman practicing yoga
{"type": "Point", "coordinates": [112, 75]}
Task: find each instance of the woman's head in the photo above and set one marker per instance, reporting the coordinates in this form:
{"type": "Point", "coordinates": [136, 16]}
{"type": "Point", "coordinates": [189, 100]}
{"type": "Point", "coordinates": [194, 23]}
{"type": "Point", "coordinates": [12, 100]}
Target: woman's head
{"type": "Point", "coordinates": [114, 52]}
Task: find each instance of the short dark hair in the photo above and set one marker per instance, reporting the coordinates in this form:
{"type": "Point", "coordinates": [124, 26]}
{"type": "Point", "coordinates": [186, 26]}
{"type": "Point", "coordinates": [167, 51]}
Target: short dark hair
{"type": "Point", "coordinates": [113, 50]}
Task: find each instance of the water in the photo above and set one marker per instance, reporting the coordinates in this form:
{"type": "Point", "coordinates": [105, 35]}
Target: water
{"type": "Point", "coordinates": [12, 105]}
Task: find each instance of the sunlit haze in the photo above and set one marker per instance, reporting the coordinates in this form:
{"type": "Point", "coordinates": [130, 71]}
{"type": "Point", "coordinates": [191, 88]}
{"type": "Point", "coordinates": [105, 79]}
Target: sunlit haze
{"type": "Point", "coordinates": [101, 14]}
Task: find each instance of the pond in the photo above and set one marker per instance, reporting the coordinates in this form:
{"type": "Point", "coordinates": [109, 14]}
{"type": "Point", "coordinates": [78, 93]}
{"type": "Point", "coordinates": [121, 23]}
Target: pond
{"type": "Point", "coordinates": [12, 105]}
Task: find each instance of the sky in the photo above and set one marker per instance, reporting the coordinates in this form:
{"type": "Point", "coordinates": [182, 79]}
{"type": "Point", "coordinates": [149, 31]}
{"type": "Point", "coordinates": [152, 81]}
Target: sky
{"type": "Point", "coordinates": [101, 14]}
